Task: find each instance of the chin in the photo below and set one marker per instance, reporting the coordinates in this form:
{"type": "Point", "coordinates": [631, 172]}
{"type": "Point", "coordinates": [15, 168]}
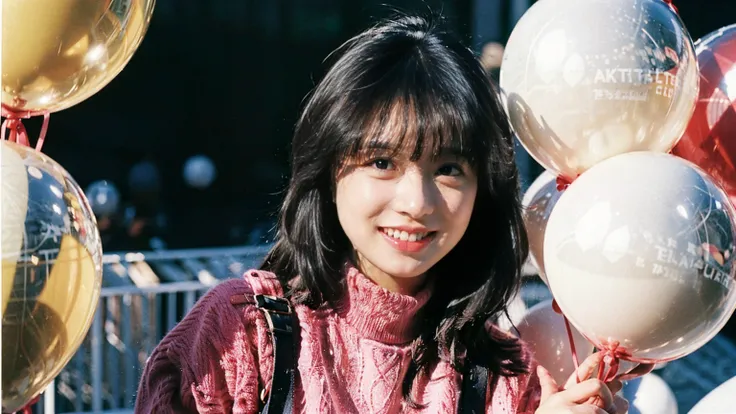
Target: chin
{"type": "Point", "coordinates": [404, 267]}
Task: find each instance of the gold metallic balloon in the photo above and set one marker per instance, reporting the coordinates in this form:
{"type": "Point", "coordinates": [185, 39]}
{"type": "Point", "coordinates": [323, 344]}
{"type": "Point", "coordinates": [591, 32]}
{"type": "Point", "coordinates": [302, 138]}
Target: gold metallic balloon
{"type": "Point", "coordinates": [590, 79]}
{"type": "Point", "coordinates": [57, 53]}
{"type": "Point", "coordinates": [51, 279]}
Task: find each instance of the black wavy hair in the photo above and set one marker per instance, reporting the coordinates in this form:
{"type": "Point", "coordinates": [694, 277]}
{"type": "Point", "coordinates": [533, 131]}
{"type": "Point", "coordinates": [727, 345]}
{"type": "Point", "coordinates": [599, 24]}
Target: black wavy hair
{"type": "Point", "coordinates": [411, 61]}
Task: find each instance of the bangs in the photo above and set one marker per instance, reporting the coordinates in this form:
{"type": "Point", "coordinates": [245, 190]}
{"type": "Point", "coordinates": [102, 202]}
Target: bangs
{"type": "Point", "coordinates": [413, 130]}
{"type": "Point", "coordinates": [411, 109]}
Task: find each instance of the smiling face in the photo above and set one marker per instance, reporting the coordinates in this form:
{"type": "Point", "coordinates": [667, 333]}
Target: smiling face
{"type": "Point", "coordinates": [401, 214]}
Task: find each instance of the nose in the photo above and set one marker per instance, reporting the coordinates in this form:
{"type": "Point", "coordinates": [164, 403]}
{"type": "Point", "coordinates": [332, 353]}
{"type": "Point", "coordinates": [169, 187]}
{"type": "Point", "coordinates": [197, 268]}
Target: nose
{"type": "Point", "coordinates": [415, 195]}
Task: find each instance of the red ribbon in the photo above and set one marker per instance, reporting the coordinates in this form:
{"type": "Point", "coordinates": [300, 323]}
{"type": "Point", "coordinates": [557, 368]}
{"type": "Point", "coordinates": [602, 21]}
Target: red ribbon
{"type": "Point", "coordinates": [564, 182]}
{"type": "Point", "coordinates": [612, 353]}
{"type": "Point", "coordinates": [671, 4]}
{"type": "Point", "coordinates": [17, 131]}
{"type": "Point", "coordinates": [570, 338]}
{"type": "Point", "coordinates": [27, 409]}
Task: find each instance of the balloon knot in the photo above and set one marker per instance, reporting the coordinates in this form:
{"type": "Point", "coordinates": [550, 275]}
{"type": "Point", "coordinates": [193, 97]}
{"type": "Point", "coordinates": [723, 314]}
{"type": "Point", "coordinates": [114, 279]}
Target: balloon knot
{"type": "Point", "coordinates": [17, 133]}
{"type": "Point", "coordinates": [563, 182]}
{"type": "Point", "coordinates": [613, 353]}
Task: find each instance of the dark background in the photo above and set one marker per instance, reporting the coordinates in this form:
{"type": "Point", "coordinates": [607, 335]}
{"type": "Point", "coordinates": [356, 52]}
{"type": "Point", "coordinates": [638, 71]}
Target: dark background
{"type": "Point", "coordinates": [226, 78]}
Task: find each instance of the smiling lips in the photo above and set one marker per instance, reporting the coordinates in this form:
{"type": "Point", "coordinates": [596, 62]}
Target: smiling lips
{"type": "Point", "coordinates": [407, 240]}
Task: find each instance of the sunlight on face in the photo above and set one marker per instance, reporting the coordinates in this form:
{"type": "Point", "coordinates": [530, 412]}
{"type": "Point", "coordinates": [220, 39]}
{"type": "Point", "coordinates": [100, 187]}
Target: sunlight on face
{"type": "Point", "coordinates": [403, 216]}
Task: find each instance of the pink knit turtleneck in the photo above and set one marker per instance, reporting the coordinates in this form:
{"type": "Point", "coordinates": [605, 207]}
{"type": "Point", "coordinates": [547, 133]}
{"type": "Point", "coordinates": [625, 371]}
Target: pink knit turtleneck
{"type": "Point", "coordinates": [352, 359]}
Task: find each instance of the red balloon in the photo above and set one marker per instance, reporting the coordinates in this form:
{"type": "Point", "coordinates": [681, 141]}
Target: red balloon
{"type": "Point", "coordinates": [710, 138]}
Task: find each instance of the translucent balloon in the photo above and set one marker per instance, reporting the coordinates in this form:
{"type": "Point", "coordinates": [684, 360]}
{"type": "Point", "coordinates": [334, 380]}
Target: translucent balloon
{"type": "Point", "coordinates": [52, 276]}
{"type": "Point", "coordinates": [14, 210]}
{"type": "Point", "coordinates": [590, 79]}
{"type": "Point", "coordinates": [639, 254]}
{"type": "Point", "coordinates": [57, 53]}
{"type": "Point", "coordinates": [199, 171]}
{"type": "Point", "coordinates": [538, 202]}
{"type": "Point", "coordinates": [104, 198]}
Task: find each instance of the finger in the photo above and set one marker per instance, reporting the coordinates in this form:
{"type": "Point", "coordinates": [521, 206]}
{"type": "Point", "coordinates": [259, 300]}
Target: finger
{"type": "Point", "coordinates": [622, 406]}
{"type": "Point", "coordinates": [548, 384]}
{"type": "Point", "coordinates": [615, 386]}
{"type": "Point", "coordinates": [585, 370]}
{"type": "Point", "coordinates": [639, 371]}
{"type": "Point", "coordinates": [587, 409]}
{"type": "Point", "coordinates": [591, 409]}
{"type": "Point", "coordinates": [590, 391]}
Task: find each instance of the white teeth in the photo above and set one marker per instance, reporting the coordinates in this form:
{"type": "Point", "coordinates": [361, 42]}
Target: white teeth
{"type": "Point", "coordinates": [403, 235]}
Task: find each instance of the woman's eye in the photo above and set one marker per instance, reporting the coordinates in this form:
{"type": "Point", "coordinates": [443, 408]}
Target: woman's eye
{"type": "Point", "coordinates": [450, 169]}
{"type": "Point", "coordinates": [382, 164]}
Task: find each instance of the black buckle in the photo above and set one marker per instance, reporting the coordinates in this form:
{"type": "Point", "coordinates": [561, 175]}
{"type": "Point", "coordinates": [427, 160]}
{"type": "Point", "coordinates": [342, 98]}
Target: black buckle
{"type": "Point", "coordinates": [273, 303]}
{"type": "Point", "coordinates": [277, 311]}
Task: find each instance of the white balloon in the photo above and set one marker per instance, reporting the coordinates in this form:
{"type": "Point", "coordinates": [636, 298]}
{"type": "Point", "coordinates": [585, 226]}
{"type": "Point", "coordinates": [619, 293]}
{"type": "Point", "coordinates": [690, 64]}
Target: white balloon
{"type": "Point", "coordinates": [590, 79]}
{"type": "Point", "coordinates": [544, 331]}
{"type": "Point", "coordinates": [650, 394]}
{"type": "Point", "coordinates": [639, 254]}
{"type": "Point", "coordinates": [104, 198]}
{"type": "Point", "coordinates": [199, 171]}
{"type": "Point", "coordinates": [721, 400]}
{"type": "Point", "coordinates": [537, 204]}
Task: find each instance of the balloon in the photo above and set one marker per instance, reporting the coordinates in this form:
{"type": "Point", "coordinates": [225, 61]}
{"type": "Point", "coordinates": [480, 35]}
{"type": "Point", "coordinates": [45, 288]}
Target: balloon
{"type": "Point", "coordinates": [720, 400]}
{"type": "Point", "coordinates": [55, 286]}
{"type": "Point", "coordinates": [14, 209]}
{"type": "Point", "coordinates": [544, 331]}
{"type": "Point", "coordinates": [590, 79]}
{"type": "Point", "coordinates": [57, 53]}
{"type": "Point", "coordinates": [538, 202]}
{"type": "Point", "coordinates": [144, 178]}
{"type": "Point", "coordinates": [199, 171]}
{"type": "Point", "coordinates": [650, 394]}
{"type": "Point", "coordinates": [104, 198]}
{"type": "Point", "coordinates": [710, 140]}
{"type": "Point", "coordinates": [639, 254]}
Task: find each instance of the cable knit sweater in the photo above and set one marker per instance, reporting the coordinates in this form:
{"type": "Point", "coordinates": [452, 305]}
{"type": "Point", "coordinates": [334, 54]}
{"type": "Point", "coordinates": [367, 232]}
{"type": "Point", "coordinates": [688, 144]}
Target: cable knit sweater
{"type": "Point", "coordinates": [352, 359]}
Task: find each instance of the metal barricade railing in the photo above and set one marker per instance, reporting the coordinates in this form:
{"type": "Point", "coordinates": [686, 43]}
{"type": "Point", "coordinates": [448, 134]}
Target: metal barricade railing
{"type": "Point", "coordinates": [144, 296]}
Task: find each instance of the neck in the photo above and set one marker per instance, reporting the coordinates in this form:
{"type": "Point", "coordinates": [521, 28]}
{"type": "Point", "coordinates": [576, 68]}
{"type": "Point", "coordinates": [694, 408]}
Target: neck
{"type": "Point", "coordinates": [377, 313]}
{"type": "Point", "coordinates": [403, 285]}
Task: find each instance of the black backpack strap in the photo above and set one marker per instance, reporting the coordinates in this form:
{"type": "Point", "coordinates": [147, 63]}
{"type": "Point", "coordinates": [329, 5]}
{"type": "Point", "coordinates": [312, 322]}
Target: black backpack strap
{"type": "Point", "coordinates": [284, 329]}
{"type": "Point", "coordinates": [474, 389]}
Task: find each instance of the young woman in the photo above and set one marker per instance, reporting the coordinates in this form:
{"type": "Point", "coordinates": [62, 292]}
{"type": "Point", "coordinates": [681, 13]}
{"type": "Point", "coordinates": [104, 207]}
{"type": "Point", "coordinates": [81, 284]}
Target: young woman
{"type": "Point", "coordinates": [400, 239]}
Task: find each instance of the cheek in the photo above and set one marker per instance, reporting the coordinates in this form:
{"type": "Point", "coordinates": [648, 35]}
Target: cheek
{"type": "Point", "coordinates": [460, 205]}
{"type": "Point", "coordinates": [359, 197]}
